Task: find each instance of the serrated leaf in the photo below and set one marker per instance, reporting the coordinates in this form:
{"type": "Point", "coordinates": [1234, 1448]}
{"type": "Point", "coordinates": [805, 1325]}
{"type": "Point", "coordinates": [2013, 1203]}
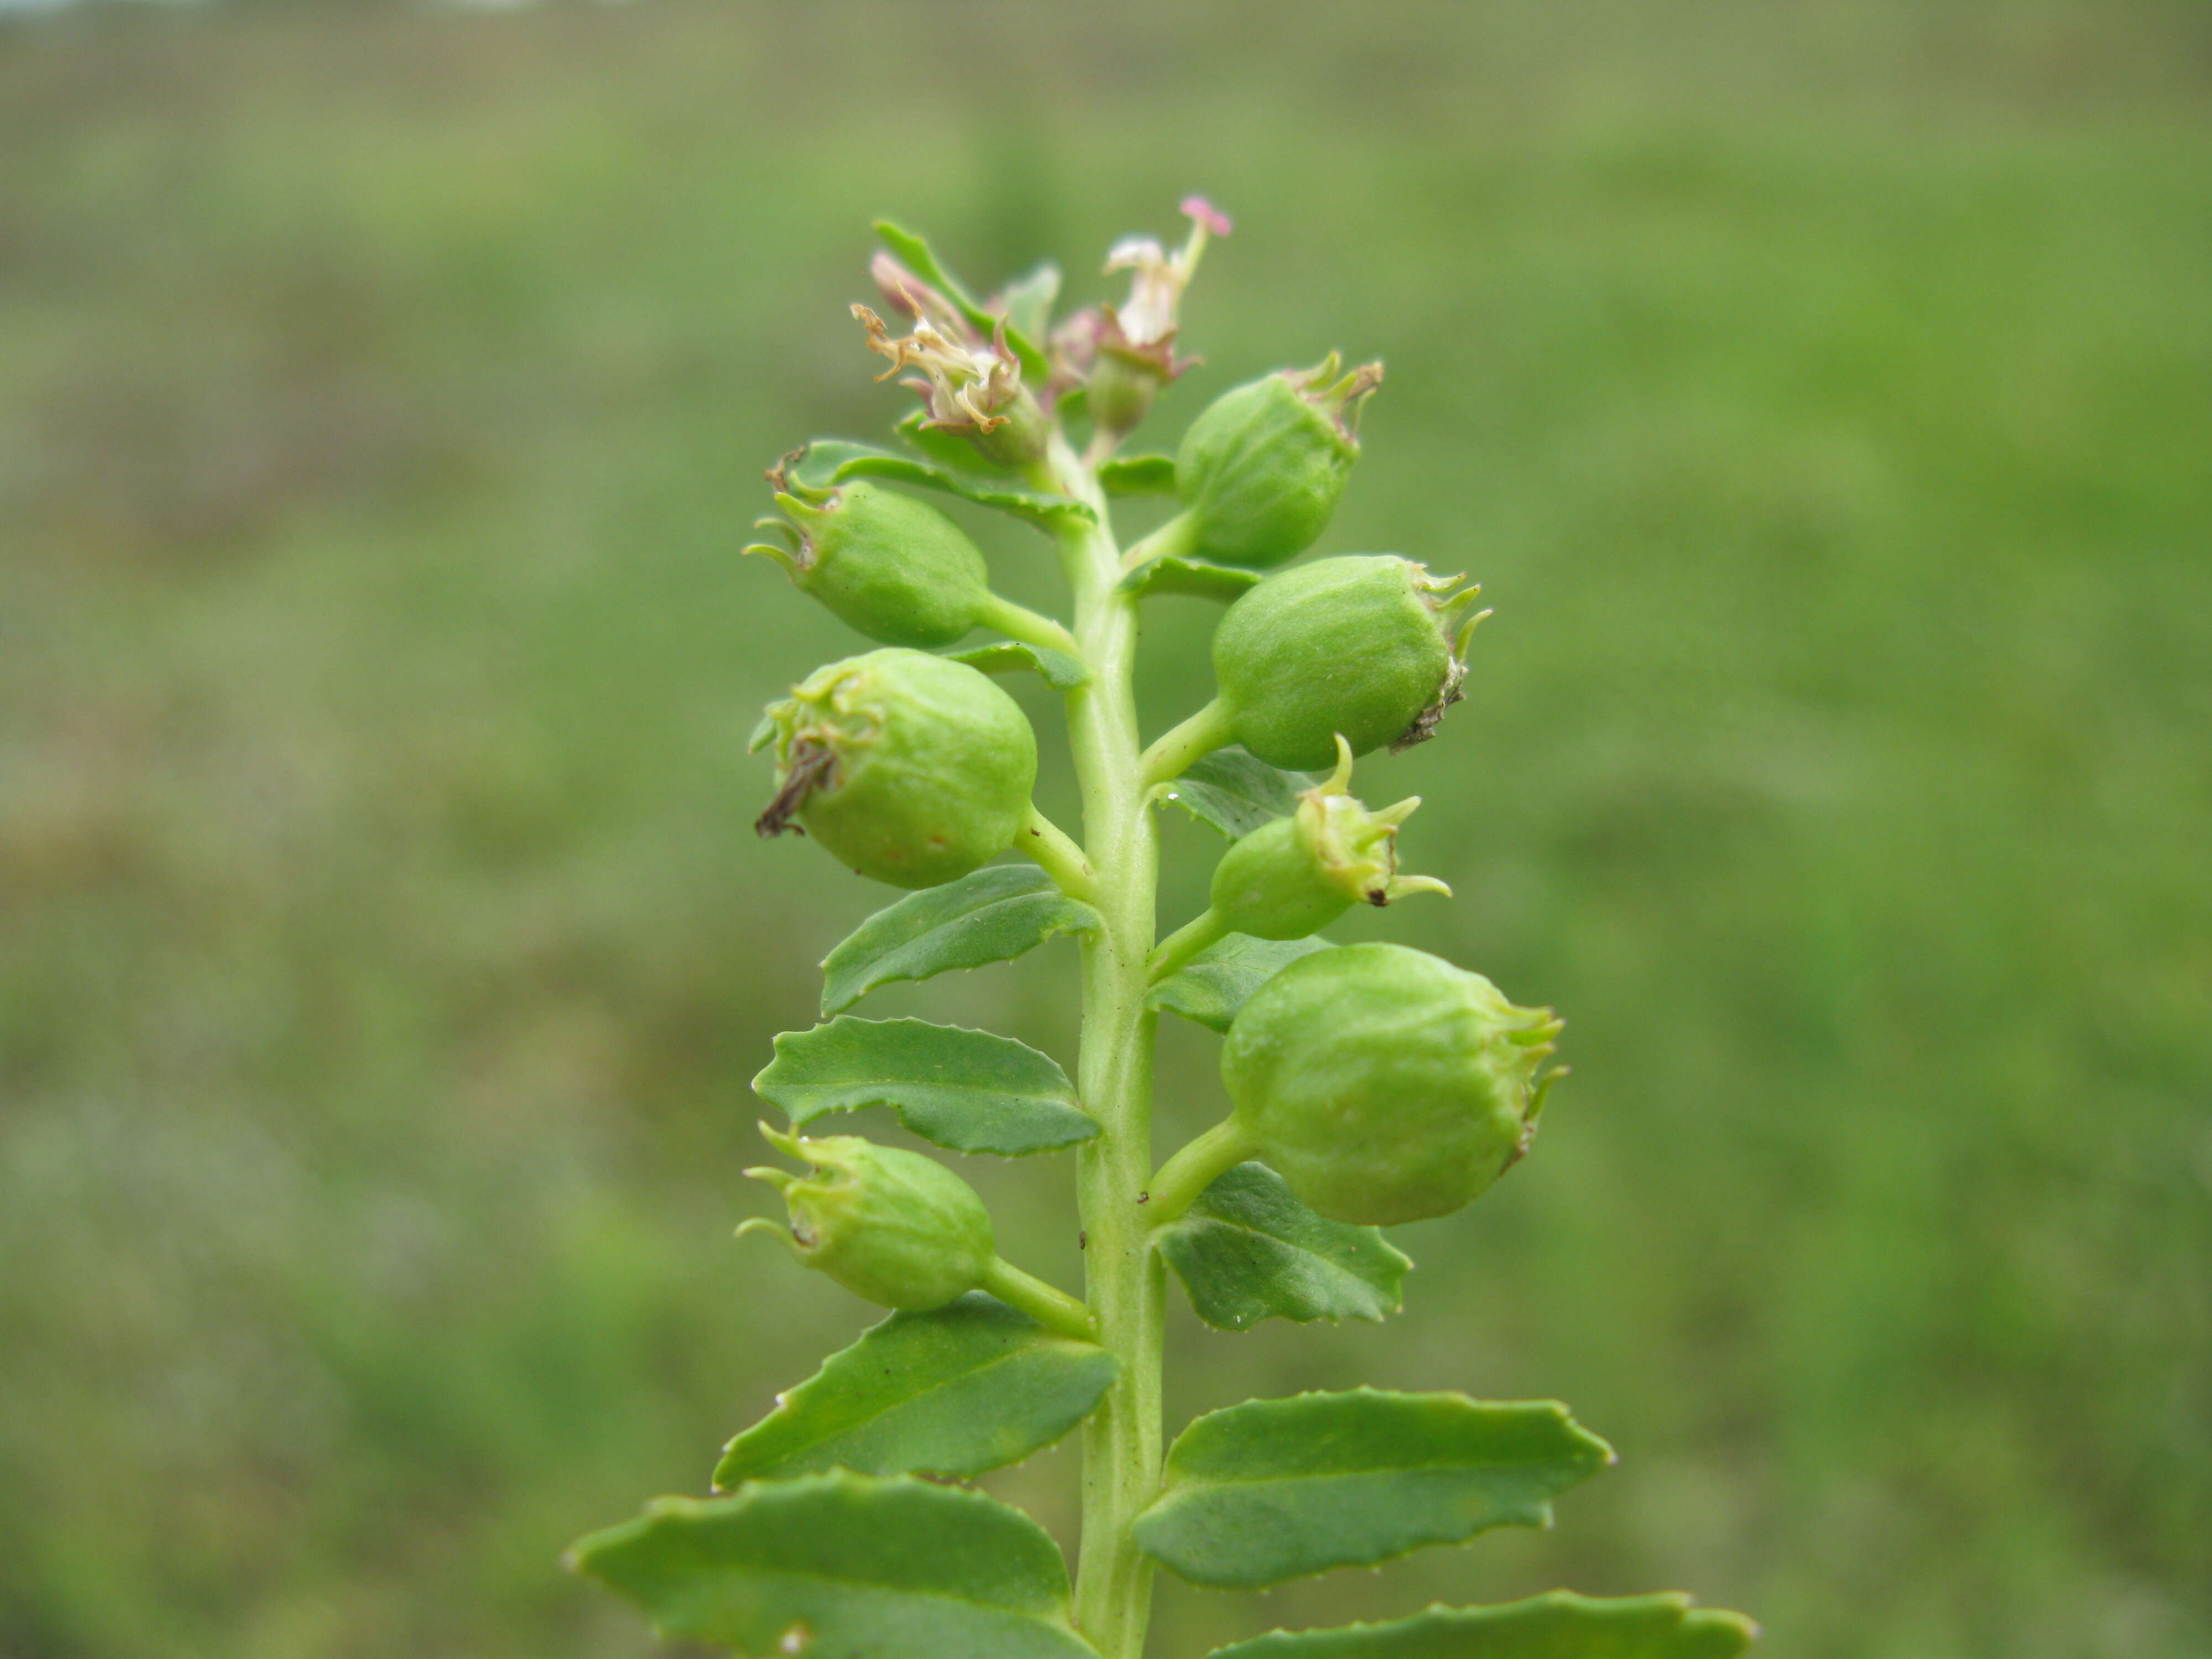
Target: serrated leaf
{"type": "Point", "coordinates": [1559, 1626]}
{"type": "Point", "coordinates": [1139, 475]}
{"type": "Point", "coordinates": [916, 255]}
{"type": "Point", "coordinates": [843, 1566]}
{"type": "Point", "coordinates": [993, 914]}
{"type": "Point", "coordinates": [1172, 572]}
{"type": "Point", "coordinates": [1248, 1251]}
{"type": "Point", "coordinates": [968, 1091]}
{"type": "Point", "coordinates": [1276, 1489]}
{"type": "Point", "coordinates": [974, 1386]}
{"type": "Point", "coordinates": [1061, 671]}
{"type": "Point", "coordinates": [1220, 979]}
{"type": "Point", "coordinates": [1234, 791]}
{"type": "Point", "coordinates": [827, 462]}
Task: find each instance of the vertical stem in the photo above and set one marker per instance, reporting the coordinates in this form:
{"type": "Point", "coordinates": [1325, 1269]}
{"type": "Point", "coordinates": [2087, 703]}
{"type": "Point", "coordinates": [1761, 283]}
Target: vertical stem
{"type": "Point", "coordinates": [1123, 1282]}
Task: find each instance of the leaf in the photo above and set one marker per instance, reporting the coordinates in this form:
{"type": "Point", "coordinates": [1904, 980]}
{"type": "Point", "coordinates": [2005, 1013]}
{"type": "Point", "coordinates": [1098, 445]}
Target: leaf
{"type": "Point", "coordinates": [841, 1566]}
{"type": "Point", "coordinates": [1139, 475]}
{"type": "Point", "coordinates": [827, 462]}
{"type": "Point", "coordinates": [993, 914]}
{"type": "Point", "coordinates": [1172, 572]}
{"type": "Point", "coordinates": [1248, 1251]}
{"type": "Point", "coordinates": [916, 255]}
{"type": "Point", "coordinates": [1276, 1489]}
{"type": "Point", "coordinates": [1029, 300]}
{"type": "Point", "coordinates": [968, 1091]}
{"type": "Point", "coordinates": [948, 449]}
{"type": "Point", "coordinates": [1234, 791]}
{"type": "Point", "coordinates": [974, 1386]}
{"type": "Point", "coordinates": [1559, 1626]}
{"type": "Point", "coordinates": [1220, 979]}
{"type": "Point", "coordinates": [1061, 671]}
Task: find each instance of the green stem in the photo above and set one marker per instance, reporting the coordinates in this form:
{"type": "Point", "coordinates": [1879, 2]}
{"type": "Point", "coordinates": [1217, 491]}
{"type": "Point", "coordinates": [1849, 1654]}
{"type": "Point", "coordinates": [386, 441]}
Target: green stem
{"type": "Point", "coordinates": [1195, 1168]}
{"type": "Point", "coordinates": [1042, 839]}
{"type": "Point", "coordinates": [1019, 621]}
{"type": "Point", "coordinates": [1201, 734]}
{"type": "Point", "coordinates": [1055, 1310]}
{"type": "Point", "coordinates": [1206, 928]}
{"type": "Point", "coordinates": [1124, 1283]}
{"type": "Point", "coordinates": [1177, 536]}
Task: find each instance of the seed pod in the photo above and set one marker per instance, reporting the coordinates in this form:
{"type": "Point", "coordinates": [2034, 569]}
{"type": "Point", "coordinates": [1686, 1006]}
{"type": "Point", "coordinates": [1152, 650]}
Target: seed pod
{"type": "Point", "coordinates": [1292, 877]}
{"type": "Point", "coordinates": [898, 570]}
{"type": "Point", "coordinates": [893, 1226]}
{"type": "Point", "coordinates": [1384, 1084]}
{"type": "Point", "coordinates": [909, 768]}
{"type": "Point", "coordinates": [1361, 645]}
{"type": "Point", "coordinates": [1260, 470]}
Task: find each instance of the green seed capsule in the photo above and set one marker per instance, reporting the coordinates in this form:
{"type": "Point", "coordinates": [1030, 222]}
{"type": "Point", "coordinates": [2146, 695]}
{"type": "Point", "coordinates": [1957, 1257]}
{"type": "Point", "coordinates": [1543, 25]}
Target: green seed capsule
{"type": "Point", "coordinates": [1292, 877]}
{"type": "Point", "coordinates": [909, 768]}
{"type": "Point", "coordinates": [1261, 469]}
{"type": "Point", "coordinates": [898, 570]}
{"type": "Point", "coordinates": [893, 1226]}
{"type": "Point", "coordinates": [1360, 645]}
{"type": "Point", "coordinates": [1384, 1084]}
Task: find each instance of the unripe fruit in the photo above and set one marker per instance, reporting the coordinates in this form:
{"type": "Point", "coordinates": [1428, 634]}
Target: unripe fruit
{"type": "Point", "coordinates": [893, 1226]}
{"type": "Point", "coordinates": [1384, 1084]}
{"type": "Point", "coordinates": [1260, 470]}
{"type": "Point", "coordinates": [1360, 645]}
{"type": "Point", "coordinates": [909, 768]}
{"type": "Point", "coordinates": [1292, 878]}
{"type": "Point", "coordinates": [892, 567]}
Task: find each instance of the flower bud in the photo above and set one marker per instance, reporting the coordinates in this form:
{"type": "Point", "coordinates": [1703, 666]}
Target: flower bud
{"type": "Point", "coordinates": [894, 568]}
{"type": "Point", "coordinates": [893, 1226]}
{"type": "Point", "coordinates": [1262, 470]}
{"type": "Point", "coordinates": [1292, 877]}
{"type": "Point", "coordinates": [1362, 646]}
{"type": "Point", "coordinates": [909, 768]}
{"type": "Point", "coordinates": [1384, 1084]}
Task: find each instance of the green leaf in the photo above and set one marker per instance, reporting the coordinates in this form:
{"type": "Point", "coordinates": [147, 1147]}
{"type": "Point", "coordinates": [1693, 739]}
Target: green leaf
{"type": "Point", "coordinates": [974, 1386]}
{"type": "Point", "coordinates": [841, 1566]}
{"type": "Point", "coordinates": [947, 449]}
{"type": "Point", "coordinates": [1139, 475]}
{"type": "Point", "coordinates": [1234, 791]}
{"type": "Point", "coordinates": [1172, 572]}
{"type": "Point", "coordinates": [827, 462]}
{"type": "Point", "coordinates": [1559, 1626]}
{"type": "Point", "coordinates": [1276, 1489]}
{"type": "Point", "coordinates": [1029, 300]}
{"type": "Point", "coordinates": [1248, 1251]}
{"type": "Point", "coordinates": [968, 1091]}
{"type": "Point", "coordinates": [993, 914]}
{"type": "Point", "coordinates": [1061, 671]}
{"type": "Point", "coordinates": [917, 256]}
{"type": "Point", "coordinates": [1220, 979]}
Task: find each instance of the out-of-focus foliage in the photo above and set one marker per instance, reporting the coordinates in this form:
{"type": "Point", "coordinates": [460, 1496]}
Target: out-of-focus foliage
{"type": "Point", "coordinates": [1820, 394]}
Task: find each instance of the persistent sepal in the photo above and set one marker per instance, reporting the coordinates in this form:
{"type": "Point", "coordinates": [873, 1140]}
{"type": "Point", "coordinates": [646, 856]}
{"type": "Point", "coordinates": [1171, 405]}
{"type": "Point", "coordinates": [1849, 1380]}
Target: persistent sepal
{"type": "Point", "coordinates": [1386, 1085]}
{"type": "Point", "coordinates": [909, 768]}
{"type": "Point", "coordinates": [893, 1226]}
{"type": "Point", "coordinates": [1294, 875]}
{"type": "Point", "coordinates": [897, 569]}
{"type": "Point", "coordinates": [1366, 646]}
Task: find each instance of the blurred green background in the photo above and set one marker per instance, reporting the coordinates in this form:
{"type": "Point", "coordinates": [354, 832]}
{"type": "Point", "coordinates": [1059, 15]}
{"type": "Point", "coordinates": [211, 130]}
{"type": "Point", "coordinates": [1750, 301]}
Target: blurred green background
{"type": "Point", "coordinates": [1823, 393]}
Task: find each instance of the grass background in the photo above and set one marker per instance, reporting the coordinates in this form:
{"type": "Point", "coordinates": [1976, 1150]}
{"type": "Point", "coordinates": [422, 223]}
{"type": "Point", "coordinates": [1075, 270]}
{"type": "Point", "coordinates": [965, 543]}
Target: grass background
{"type": "Point", "coordinates": [1823, 393]}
